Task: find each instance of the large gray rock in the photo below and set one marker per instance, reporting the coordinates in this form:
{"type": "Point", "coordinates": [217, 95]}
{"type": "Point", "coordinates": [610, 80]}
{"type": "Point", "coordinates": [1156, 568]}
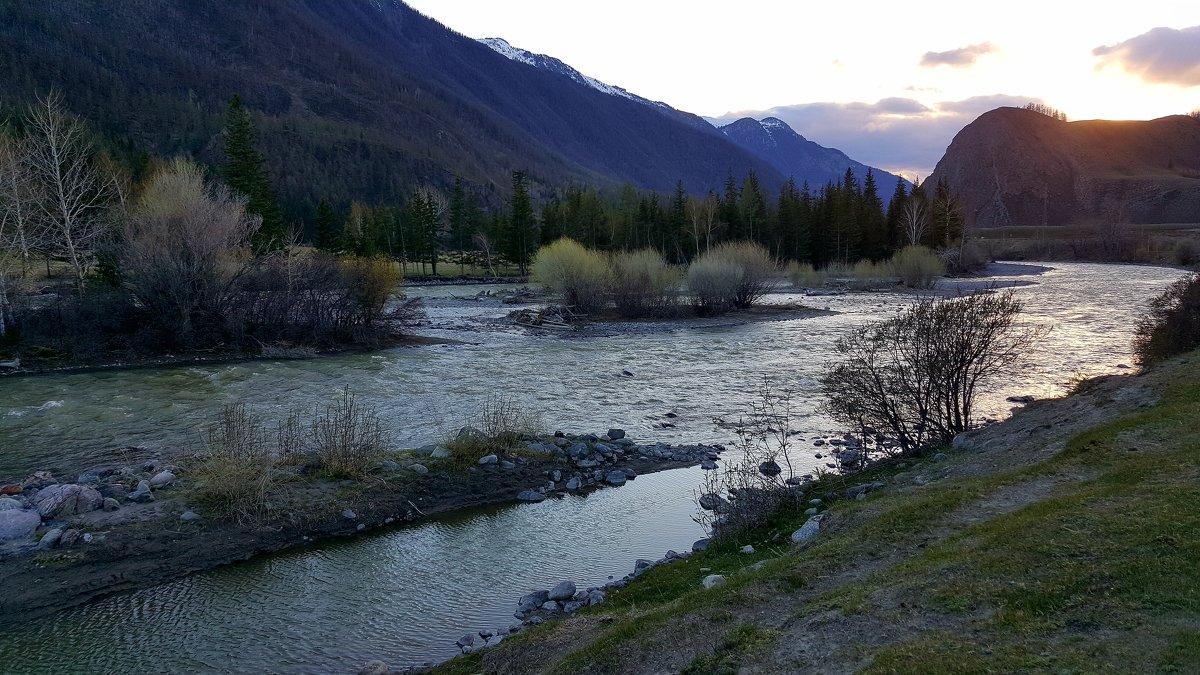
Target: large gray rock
{"type": "Point", "coordinates": [615, 434]}
{"type": "Point", "coordinates": [573, 483]}
{"type": "Point", "coordinates": [488, 459]}
{"type": "Point", "coordinates": [375, 668]}
{"type": "Point", "coordinates": [440, 452]}
{"type": "Point", "coordinates": [595, 597]}
{"type": "Point", "coordinates": [419, 469]}
{"type": "Point", "coordinates": [708, 465]}
{"type": "Point", "coordinates": [50, 539]}
{"type": "Point", "coordinates": [701, 545]}
{"type": "Point", "coordinates": [615, 478]}
{"type": "Point", "coordinates": [712, 502]}
{"type": "Point", "coordinates": [562, 591]}
{"type": "Point", "coordinates": [770, 468]}
{"type": "Point", "coordinates": [531, 496]}
{"type": "Point", "coordinates": [18, 524]}
{"type": "Point", "coordinates": [142, 494]}
{"type": "Point", "coordinates": [162, 479]}
{"type": "Point", "coordinates": [808, 531]}
{"type": "Point", "coordinates": [60, 501]}
{"type": "Point", "coordinates": [9, 504]}
{"type": "Point", "coordinates": [712, 581]}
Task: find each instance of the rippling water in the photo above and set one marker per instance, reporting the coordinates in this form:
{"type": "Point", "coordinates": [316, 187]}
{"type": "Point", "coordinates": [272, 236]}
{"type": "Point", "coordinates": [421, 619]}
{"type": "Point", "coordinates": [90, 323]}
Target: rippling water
{"type": "Point", "coordinates": [406, 595]}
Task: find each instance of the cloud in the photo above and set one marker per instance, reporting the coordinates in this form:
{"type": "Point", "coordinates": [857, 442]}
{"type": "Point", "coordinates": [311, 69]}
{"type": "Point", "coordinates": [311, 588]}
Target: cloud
{"type": "Point", "coordinates": [958, 58]}
{"type": "Point", "coordinates": [1164, 55]}
{"type": "Point", "coordinates": [900, 135]}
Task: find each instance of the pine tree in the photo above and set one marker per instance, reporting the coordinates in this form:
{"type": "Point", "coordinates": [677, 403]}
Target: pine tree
{"type": "Point", "coordinates": [895, 216]}
{"type": "Point", "coordinates": [948, 221]}
{"type": "Point", "coordinates": [245, 174]}
{"type": "Point", "coordinates": [460, 222]}
{"type": "Point", "coordinates": [327, 236]}
{"type": "Point", "coordinates": [753, 208]}
{"type": "Point", "coordinates": [521, 237]}
{"type": "Point", "coordinates": [872, 221]}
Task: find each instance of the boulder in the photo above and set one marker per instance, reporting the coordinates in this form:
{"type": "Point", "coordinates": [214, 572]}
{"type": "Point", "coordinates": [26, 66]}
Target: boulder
{"type": "Point", "coordinates": [111, 504]}
{"type": "Point", "coordinates": [550, 606]}
{"type": "Point", "coordinates": [595, 597]}
{"type": "Point", "coordinates": [712, 581]}
{"type": "Point", "coordinates": [50, 539]}
{"type": "Point", "coordinates": [11, 489]}
{"type": "Point", "coordinates": [18, 524]}
{"type": "Point", "coordinates": [615, 434]}
{"type": "Point", "coordinates": [189, 516]}
{"type": "Point", "coordinates": [556, 475]}
{"type": "Point", "coordinates": [466, 433]}
{"type": "Point", "coordinates": [531, 496]}
{"type": "Point", "coordinates": [507, 465]}
{"type": "Point", "coordinates": [465, 641]}
{"type": "Point", "coordinates": [712, 502]}
{"type": "Point", "coordinates": [770, 468]}
{"type": "Point", "coordinates": [535, 598]}
{"type": "Point", "coordinates": [488, 459]}
{"type": "Point", "coordinates": [349, 515]}
{"type": "Point", "coordinates": [747, 549]}
{"type": "Point", "coordinates": [59, 501]}
{"type": "Point", "coordinates": [629, 473]}
{"type": "Point", "coordinates": [708, 465]}
{"type": "Point", "coordinates": [419, 469]}
{"type": "Point", "coordinates": [615, 478]}
{"type": "Point", "coordinates": [142, 494]}
{"type": "Point", "coordinates": [572, 607]}
{"type": "Point", "coordinates": [440, 452]}
{"type": "Point", "coordinates": [701, 545]}
{"type": "Point", "coordinates": [70, 537]}
{"type": "Point", "coordinates": [573, 483]}
{"type": "Point", "coordinates": [8, 504]}
{"type": "Point", "coordinates": [562, 591]}
{"type": "Point", "coordinates": [808, 531]}
{"type": "Point", "coordinates": [162, 479]}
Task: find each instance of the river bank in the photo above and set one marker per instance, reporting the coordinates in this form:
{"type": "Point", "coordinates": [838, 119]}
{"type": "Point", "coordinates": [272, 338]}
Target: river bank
{"type": "Point", "coordinates": [1062, 539]}
{"type": "Point", "coordinates": [73, 538]}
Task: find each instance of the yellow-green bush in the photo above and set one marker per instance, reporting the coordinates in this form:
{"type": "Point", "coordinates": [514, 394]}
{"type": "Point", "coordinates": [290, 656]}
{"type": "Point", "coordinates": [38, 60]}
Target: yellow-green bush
{"type": "Point", "coordinates": [804, 275]}
{"type": "Point", "coordinates": [713, 282]}
{"type": "Point", "coordinates": [643, 284]}
{"type": "Point", "coordinates": [573, 272]}
{"type": "Point", "coordinates": [867, 275]}
{"type": "Point", "coordinates": [917, 266]}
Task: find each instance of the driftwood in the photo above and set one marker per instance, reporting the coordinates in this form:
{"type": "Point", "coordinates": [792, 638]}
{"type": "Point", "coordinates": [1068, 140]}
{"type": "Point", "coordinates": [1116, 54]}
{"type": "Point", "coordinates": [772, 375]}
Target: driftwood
{"type": "Point", "coordinates": [553, 317]}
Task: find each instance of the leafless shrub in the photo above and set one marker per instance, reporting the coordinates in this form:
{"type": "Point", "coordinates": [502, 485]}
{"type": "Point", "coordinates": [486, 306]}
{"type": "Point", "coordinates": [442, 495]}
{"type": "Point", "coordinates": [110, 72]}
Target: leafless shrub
{"type": "Point", "coordinates": [713, 283]}
{"type": "Point", "coordinates": [915, 376]}
{"type": "Point", "coordinates": [348, 436]}
{"type": "Point", "coordinates": [762, 481]}
{"type": "Point", "coordinates": [1172, 324]}
{"type": "Point", "coordinates": [804, 275]}
{"type": "Point", "coordinates": [917, 266]}
{"type": "Point", "coordinates": [498, 428]}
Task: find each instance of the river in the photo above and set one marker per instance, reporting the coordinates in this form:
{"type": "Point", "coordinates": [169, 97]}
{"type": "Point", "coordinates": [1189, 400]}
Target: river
{"type": "Point", "coordinates": [405, 595]}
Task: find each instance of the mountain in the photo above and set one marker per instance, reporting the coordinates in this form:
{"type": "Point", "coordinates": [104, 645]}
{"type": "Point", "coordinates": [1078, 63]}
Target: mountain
{"type": "Point", "coordinates": [357, 99]}
{"type": "Point", "coordinates": [796, 156]}
{"type": "Point", "coordinates": [553, 65]}
{"type": "Point", "coordinates": [1018, 167]}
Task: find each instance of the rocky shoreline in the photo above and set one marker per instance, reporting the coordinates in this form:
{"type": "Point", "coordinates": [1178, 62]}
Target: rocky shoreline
{"type": "Point", "coordinates": [65, 540]}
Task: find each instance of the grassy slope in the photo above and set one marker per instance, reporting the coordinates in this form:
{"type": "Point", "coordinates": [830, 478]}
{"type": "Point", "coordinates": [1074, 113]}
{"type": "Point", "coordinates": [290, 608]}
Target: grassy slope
{"type": "Point", "coordinates": [1067, 542]}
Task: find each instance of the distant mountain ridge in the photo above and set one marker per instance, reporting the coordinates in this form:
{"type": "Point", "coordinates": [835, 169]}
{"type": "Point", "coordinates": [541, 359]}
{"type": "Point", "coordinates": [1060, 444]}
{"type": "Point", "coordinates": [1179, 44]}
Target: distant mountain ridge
{"type": "Point", "coordinates": [355, 99]}
{"type": "Point", "coordinates": [1018, 167]}
{"type": "Point", "coordinates": [796, 156]}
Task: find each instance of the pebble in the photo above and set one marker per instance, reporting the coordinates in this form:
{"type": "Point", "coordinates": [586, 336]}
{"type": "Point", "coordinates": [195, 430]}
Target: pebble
{"type": "Point", "coordinates": [747, 549]}
{"type": "Point", "coordinates": [488, 459]}
{"type": "Point", "coordinates": [189, 516]}
{"type": "Point", "coordinates": [419, 469]}
{"type": "Point", "coordinates": [349, 515]}
{"type": "Point", "coordinates": [712, 581]}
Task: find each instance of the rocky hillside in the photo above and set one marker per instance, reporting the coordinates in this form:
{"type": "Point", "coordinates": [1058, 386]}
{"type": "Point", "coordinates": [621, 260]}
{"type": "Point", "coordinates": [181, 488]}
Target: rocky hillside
{"type": "Point", "coordinates": [1018, 167]}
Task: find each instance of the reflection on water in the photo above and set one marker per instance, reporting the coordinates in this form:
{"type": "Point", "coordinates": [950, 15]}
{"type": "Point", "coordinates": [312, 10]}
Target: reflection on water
{"type": "Point", "coordinates": [405, 596]}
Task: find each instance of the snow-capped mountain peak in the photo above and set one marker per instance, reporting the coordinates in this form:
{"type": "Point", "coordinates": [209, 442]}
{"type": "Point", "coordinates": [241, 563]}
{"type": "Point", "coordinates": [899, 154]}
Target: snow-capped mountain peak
{"type": "Point", "coordinates": [502, 47]}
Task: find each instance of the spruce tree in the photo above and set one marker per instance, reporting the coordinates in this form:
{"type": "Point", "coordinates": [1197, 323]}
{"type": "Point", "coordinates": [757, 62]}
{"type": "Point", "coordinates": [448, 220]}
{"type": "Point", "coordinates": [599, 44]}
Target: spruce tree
{"type": "Point", "coordinates": [521, 237]}
{"type": "Point", "coordinates": [872, 221]}
{"type": "Point", "coordinates": [327, 236]}
{"type": "Point", "coordinates": [245, 174]}
{"type": "Point", "coordinates": [895, 216]}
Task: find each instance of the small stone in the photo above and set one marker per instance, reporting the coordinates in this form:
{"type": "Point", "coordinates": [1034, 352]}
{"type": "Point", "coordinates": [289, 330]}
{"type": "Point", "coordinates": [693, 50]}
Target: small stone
{"type": "Point", "coordinates": [712, 581]}
{"type": "Point", "coordinates": [440, 452]}
{"type": "Point", "coordinates": [572, 607]}
{"type": "Point", "coordinates": [70, 537]}
{"type": "Point", "coordinates": [939, 457]}
{"type": "Point", "coordinates": [467, 640]}
{"type": "Point", "coordinates": [556, 475]}
{"type": "Point", "coordinates": [11, 489]}
{"type": "Point", "coordinates": [811, 511]}
{"type": "Point", "coordinates": [701, 545]}
{"type": "Point", "coordinates": [532, 496]}
{"type": "Point", "coordinates": [573, 483]}
{"type": "Point", "coordinates": [111, 504]}
{"type": "Point", "coordinates": [630, 473]}
{"type": "Point", "coordinates": [818, 443]}
{"type": "Point", "coordinates": [595, 597]}
{"type": "Point", "coordinates": [708, 465]}
{"type": "Point", "coordinates": [712, 502]}
{"type": "Point", "coordinates": [747, 549]}
{"type": "Point", "coordinates": [488, 459]}
{"type": "Point", "coordinates": [550, 606]}
{"type": "Point", "coordinates": [562, 591]}
{"type": "Point", "coordinates": [507, 465]}
{"type": "Point", "coordinates": [360, 527]}
{"type": "Point", "coordinates": [142, 494]}
{"type": "Point", "coordinates": [616, 434]}
{"type": "Point", "coordinates": [162, 479]}
{"type": "Point", "coordinates": [375, 668]}
{"type": "Point", "coordinates": [190, 516]}
{"type": "Point", "coordinates": [8, 504]}
{"type": "Point", "coordinates": [349, 515]}
{"type": "Point", "coordinates": [419, 469]}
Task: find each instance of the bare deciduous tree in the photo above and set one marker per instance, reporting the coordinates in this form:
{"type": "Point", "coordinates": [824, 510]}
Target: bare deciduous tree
{"type": "Point", "coordinates": [485, 246]}
{"type": "Point", "coordinates": [703, 217]}
{"type": "Point", "coordinates": [75, 192]}
{"type": "Point", "coordinates": [914, 219]}
{"type": "Point", "coordinates": [916, 376]}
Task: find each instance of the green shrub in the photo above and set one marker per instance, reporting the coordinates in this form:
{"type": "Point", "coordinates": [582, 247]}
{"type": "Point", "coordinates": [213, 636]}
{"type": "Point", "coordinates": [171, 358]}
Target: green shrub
{"type": "Point", "coordinates": [1172, 325]}
{"type": "Point", "coordinates": [371, 283]}
{"type": "Point", "coordinates": [573, 272]}
{"type": "Point", "coordinates": [804, 275]}
{"type": "Point", "coordinates": [917, 266]}
{"type": "Point", "coordinates": [643, 284]}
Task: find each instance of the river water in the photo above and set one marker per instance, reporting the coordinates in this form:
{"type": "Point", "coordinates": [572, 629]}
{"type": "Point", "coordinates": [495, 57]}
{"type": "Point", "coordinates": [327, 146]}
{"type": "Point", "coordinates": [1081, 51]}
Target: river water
{"type": "Point", "coordinates": [405, 595]}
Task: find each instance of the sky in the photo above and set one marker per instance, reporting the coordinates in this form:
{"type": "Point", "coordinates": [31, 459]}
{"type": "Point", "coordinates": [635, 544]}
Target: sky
{"type": "Point", "coordinates": [890, 83]}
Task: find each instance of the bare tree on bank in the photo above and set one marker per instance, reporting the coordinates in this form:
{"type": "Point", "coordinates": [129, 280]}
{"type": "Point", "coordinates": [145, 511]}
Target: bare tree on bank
{"type": "Point", "coordinates": [703, 216]}
{"type": "Point", "coordinates": [75, 192]}
{"type": "Point", "coordinates": [915, 220]}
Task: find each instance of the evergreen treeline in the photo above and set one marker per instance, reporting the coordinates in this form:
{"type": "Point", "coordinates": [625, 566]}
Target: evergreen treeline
{"type": "Point", "coordinates": [845, 221]}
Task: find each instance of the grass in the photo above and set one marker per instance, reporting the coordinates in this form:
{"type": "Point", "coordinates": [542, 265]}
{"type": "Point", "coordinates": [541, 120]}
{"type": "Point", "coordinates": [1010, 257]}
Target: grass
{"type": "Point", "coordinates": [1095, 572]}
